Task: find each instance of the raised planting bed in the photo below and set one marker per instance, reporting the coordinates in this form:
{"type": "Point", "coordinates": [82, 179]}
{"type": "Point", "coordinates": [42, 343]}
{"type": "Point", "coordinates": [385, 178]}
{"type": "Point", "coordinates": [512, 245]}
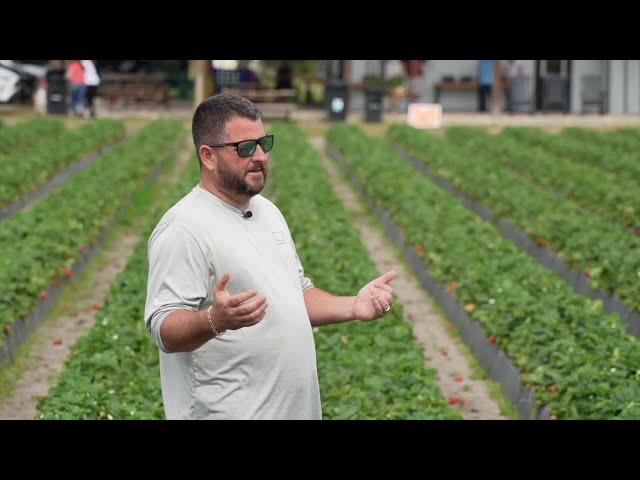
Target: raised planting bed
{"type": "Point", "coordinates": [625, 165]}
{"type": "Point", "coordinates": [593, 255]}
{"type": "Point", "coordinates": [48, 243]}
{"type": "Point", "coordinates": [27, 133]}
{"type": "Point", "coordinates": [366, 370]}
{"type": "Point", "coordinates": [560, 352]}
{"type": "Point", "coordinates": [26, 170]}
{"type": "Point", "coordinates": [602, 193]}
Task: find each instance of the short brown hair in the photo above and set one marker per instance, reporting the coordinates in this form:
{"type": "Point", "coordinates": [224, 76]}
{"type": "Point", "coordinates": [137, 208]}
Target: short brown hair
{"type": "Point", "coordinates": [213, 113]}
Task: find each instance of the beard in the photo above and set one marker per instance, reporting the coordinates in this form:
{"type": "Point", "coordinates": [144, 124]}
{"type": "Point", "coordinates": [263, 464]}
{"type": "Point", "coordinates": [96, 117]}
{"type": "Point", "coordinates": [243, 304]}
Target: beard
{"type": "Point", "coordinates": [235, 182]}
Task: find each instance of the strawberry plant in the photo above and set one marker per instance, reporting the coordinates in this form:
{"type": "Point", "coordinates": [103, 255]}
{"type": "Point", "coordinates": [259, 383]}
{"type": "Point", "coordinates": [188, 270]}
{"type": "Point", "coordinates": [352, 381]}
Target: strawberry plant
{"type": "Point", "coordinates": [27, 133]}
{"type": "Point", "coordinates": [600, 192]}
{"type": "Point", "coordinates": [623, 140]}
{"type": "Point", "coordinates": [366, 370]}
{"type": "Point", "coordinates": [39, 245]}
{"type": "Point", "coordinates": [379, 372]}
{"type": "Point", "coordinates": [27, 169]}
{"type": "Point", "coordinates": [625, 165]}
{"type": "Point", "coordinates": [551, 334]}
{"type": "Point", "coordinates": [609, 252]}
{"type": "Point", "coordinates": [113, 371]}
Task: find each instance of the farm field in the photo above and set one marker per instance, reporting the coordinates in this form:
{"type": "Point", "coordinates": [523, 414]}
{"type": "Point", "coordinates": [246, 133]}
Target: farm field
{"type": "Point", "coordinates": [547, 344]}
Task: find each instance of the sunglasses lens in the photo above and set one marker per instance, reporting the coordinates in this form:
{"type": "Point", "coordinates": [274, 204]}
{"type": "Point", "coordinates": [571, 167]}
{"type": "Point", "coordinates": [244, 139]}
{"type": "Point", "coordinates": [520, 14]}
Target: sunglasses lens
{"type": "Point", "coordinates": [266, 143]}
{"type": "Point", "coordinates": [246, 149]}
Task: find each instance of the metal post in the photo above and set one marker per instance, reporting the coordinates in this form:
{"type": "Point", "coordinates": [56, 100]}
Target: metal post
{"type": "Point", "coordinates": [496, 93]}
{"type": "Point", "coordinates": [203, 81]}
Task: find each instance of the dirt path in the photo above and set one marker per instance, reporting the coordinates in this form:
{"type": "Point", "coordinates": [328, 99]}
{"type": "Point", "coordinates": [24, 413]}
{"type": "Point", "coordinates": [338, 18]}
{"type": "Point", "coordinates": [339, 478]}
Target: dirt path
{"type": "Point", "coordinates": [55, 337]}
{"type": "Point", "coordinates": [441, 351]}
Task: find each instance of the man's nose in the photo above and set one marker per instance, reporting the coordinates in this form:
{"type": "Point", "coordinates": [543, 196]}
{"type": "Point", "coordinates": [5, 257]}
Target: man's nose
{"type": "Point", "coordinates": [260, 155]}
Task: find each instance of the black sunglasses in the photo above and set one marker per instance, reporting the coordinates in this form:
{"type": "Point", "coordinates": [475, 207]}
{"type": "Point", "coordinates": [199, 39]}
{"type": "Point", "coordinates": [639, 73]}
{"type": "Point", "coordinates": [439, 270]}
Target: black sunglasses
{"type": "Point", "coordinates": [246, 148]}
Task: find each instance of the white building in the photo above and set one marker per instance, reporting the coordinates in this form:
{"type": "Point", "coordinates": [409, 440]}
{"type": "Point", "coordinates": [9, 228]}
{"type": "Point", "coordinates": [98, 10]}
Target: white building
{"type": "Point", "coordinates": [571, 86]}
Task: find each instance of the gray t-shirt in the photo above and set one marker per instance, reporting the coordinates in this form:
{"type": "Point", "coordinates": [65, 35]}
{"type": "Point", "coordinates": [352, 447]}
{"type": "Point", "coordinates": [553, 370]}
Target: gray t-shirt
{"type": "Point", "coordinates": [266, 371]}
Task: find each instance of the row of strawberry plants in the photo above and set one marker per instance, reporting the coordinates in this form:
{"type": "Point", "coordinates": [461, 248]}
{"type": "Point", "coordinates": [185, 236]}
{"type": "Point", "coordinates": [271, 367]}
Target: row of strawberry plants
{"type": "Point", "coordinates": [624, 165]}
{"type": "Point", "coordinates": [25, 170]}
{"type": "Point", "coordinates": [581, 362]}
{"type": "Point", "coordinates": [113, 371]}
{"type": "Point", "coordinates": [367, 370]}
{"type": "Point", "coordinates": [28, 133]}
{"type": "Point", "coordinates": [622, 140]}
{"type": "Point", "coordinates": [605, 252]}
{"type": "Point", "coordinates": [40, 243]}
{"type": "Point", "coordinates": [600, 192]}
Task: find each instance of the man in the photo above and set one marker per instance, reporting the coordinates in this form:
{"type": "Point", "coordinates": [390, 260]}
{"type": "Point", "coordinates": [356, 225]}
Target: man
{"type": "Point", "coordinates": [228, 302]}
{"type": "Point", "coordinates": [485, 81]}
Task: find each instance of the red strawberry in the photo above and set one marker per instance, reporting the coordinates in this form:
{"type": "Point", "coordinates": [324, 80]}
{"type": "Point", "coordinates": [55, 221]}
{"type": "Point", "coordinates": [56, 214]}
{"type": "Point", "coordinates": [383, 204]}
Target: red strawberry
{"type": "Point", "coordinates": [44, 294]}
{"type": "Point", "coordinates": [419, 249]}
{"type": "Point", "coordinates": [97, 306]}
{"type": "Point", "coordinates": [444, 351]}
{"type": "Point", "coordinates": [553, 388]}
{"type": "Point", "coordinates": [458, 378]}
{"type": "Point", "coordinates": [638, 231]}
{"type": "Point", "coordinates": [57, 341]}
{"type": "Point", "coordinates": [65, 272]}
{"type": "Point", "coordinates": [585, 272]}
{"type": "Point", "coordinates": [453, 400]}
{"type": "Point", "coordinates": [461, 400]}
{"type": "Point", "coordinates": [492, 339]}
{"type": "Point", "coordinates": [541, 242]}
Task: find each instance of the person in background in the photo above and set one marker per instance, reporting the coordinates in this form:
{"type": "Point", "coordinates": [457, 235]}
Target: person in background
{"type": "Point", "coordinates": [485, 82]}
{"type": "Point", "coordinates": [510, 71]}
{"type": "Point", "coordinates": [284, 76]}
{"type": "Point", "coordinates": [92, 81]}
{"type": "Point", "coordinates": [248, 76]}
{"type": "Point", "coordinates": [75, 77]}
{"type": "Point", "coordinates": [40, 97]}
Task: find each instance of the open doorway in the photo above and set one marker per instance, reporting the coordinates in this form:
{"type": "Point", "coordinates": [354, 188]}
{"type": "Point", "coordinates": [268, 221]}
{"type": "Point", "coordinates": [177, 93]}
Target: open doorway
{"type": "Point", "coordinates": [553, 85]}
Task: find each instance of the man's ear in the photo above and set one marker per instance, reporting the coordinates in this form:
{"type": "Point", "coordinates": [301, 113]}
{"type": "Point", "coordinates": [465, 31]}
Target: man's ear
{"type": "Point", "coordinates": [208, 157]}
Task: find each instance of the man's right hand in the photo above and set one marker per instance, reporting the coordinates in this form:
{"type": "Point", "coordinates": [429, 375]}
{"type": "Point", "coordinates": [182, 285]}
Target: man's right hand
{"type": "Point", "coordinates": [232, 312]}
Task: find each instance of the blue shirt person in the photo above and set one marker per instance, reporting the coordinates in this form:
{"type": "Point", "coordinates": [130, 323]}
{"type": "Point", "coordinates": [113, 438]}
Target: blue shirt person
{"type": "Point", "coordinates": [485, 72]}
{"type": "Point", "coordinates": [485, 81]}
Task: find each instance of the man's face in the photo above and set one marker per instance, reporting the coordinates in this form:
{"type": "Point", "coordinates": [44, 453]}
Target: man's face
{"type": "Point", "coordinates": [242, 175]}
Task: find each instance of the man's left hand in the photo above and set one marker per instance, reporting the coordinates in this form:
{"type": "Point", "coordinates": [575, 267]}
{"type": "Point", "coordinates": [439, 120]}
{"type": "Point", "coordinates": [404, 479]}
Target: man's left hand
{"type": "Point", "coordinates": [375, 299]}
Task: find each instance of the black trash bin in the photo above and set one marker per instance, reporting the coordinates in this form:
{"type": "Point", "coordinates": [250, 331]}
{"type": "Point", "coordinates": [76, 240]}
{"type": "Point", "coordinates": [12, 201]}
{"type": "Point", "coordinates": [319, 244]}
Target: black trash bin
{"type": "Point", "coordinates": [337, 100]}
{"type": "Point", "coordinates": [373, 98]}
{"type": "Point", "coordinates": [56, 92]}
